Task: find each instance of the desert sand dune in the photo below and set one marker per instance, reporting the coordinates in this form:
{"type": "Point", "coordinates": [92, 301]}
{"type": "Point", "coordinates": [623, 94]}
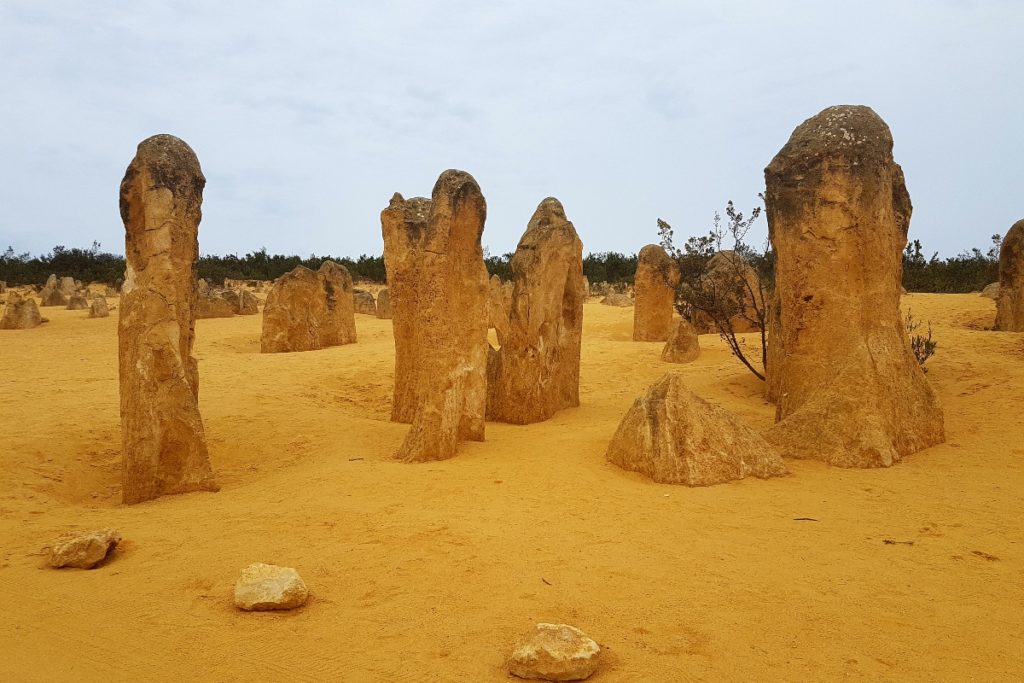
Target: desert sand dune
{"type": "Point", "coordinates": [430, 572]}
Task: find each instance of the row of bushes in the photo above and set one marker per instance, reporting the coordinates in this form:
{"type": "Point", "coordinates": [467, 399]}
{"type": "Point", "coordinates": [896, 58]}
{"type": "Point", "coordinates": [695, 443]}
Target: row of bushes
{"type": "Point", "coordinates": [965, 272]}
{"type": "Point", "coordinates": [94, 265]}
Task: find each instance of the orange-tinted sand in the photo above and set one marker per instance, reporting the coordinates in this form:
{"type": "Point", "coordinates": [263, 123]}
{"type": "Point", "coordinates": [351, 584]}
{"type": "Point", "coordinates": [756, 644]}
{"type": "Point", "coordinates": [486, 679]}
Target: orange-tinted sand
{"type": "Point", "coordinates": [431, 572]}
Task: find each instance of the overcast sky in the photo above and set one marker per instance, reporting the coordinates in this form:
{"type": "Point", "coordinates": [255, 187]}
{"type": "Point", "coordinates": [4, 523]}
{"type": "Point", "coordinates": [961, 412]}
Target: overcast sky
{"type": "Point", "coordinates": [308, 116]}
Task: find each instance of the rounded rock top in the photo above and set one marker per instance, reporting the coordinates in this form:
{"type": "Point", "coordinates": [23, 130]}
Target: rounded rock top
{"type": "Point", "coordinates": [854, 132]}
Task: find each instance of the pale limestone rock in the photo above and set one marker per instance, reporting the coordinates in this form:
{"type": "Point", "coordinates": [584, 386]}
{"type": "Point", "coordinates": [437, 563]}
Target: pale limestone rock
{"type": "Point", "coordinates": [20, 313]}
{"type": "Point", "coordinates": [849, 389]}
{"type": "Point", "coordinates": [306, 311]}
{"type": "Point", "coordinates": [215, 303]}
{"type": "Point", "coordinates": [438, 285]}
{"type": "Point", "coordinates": [555, 652]}
{"type": "Point", "coordinates": [363, 302]}
{"type": "Point", "coordinates": [616, 299]}
{"type": "Point", "coordinates": [384, 304]}
{"type": "Point", "coordinates": [52, 294]}
{"type": "Point", "coordinates": [78, 302]}
{"type": "Point", "coordinates": [223, 303]}
{"type": "Point", "coordinates": [676, 437]}
{"type": "Point", "coordinates": [98, 308]}
{"type": "Point", "coordinates": [404, 225]}
{"type": "Point", "coordinates": [683, 345]}
{"type": "Point", "coordinates": [536, 372]}
{"type": "Point", "coordinates": [164, 443]}
{"type": "Point", "coordinates": [83, 550]}
{"type": "Point", "coordinates": [265, 587]}
{"type": "Point", "coordinates": [248, 304]}
{"type": "Point", "coordinates": [654, 286]}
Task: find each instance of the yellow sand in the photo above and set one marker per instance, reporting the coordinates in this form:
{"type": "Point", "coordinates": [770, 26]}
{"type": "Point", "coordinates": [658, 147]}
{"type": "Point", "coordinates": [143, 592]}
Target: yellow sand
{"type": "Point", "coordinates": [431, 572]}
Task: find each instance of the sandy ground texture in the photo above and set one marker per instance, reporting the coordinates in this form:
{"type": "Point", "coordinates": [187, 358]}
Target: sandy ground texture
{"type": "Point", "coordinates": [431, 572]}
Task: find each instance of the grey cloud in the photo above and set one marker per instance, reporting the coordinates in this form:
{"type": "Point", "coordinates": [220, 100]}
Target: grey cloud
{"type": "Point", "coordinates": [308, 116]}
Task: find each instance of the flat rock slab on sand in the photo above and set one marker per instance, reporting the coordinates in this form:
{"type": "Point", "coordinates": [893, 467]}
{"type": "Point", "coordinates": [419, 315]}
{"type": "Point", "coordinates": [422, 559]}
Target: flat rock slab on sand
{"type": "Point", "coordinates": [263, 587]}
{"type": "Point", "coordinates": [84, 550]}
{"type": "Point", "coordinates": [555, 652]}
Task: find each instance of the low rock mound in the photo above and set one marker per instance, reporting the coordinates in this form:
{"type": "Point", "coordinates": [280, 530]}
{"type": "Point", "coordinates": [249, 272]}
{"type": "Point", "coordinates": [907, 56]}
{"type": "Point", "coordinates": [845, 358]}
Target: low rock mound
{"type": "Point", "coordinates": [248, 304]}
{"type": "Point", "coordinates": [78, 302]}
{"type": "Point", "coordinates": [675, 437]}
{"type": "Point", "coordinates": [265, 587]}
{"type": "Point", "coordinates": [214, 304]}
{"type": "Point", "coordinates": [240, 301]}
{"type": "Point", "coordinates": [991, 291]}
{"type": "Point", "coordinates": [621, 300]}
{"type": "Point", "coordinates": [21, 313]}
{"type": "Point", "coordinates": [83, 550]}
{"type": "Point", "coordinates": [555, 652]}
{"type": "Point", "coordinates": [307, 310]}
{"type": "Point", "coordinates": [683, 345]}
{"type": "Point", "coordinates": [363, 302]}
{"type": "Point", "coordinates": [98, 308]}
{"type": "Point", "coordinates": [52, 294]}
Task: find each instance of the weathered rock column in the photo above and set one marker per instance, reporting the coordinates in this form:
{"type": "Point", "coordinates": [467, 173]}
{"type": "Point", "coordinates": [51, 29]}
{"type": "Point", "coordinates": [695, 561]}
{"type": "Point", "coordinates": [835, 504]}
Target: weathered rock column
{"type": "Point", "coordinates": [438, 285]}
{"type": "Point", "coordinates": [98, 308]}
{"type": "Point", "coordinates": [335, 306]}
{"type": "Point", "coordinates": [404, 225]}
{"type": "Point", "coordinates": [654, 288]}
{"type": "Point", "coordinates": [162, 432]}
{"type": "Point", "coordinates": [537, 370]}
{"type": "Point", "coordinates": [384, 304]}
{"type": "Point", "coordinates": [1010, 301]}
{"type": "Point", "coordinates": [849, 389]}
